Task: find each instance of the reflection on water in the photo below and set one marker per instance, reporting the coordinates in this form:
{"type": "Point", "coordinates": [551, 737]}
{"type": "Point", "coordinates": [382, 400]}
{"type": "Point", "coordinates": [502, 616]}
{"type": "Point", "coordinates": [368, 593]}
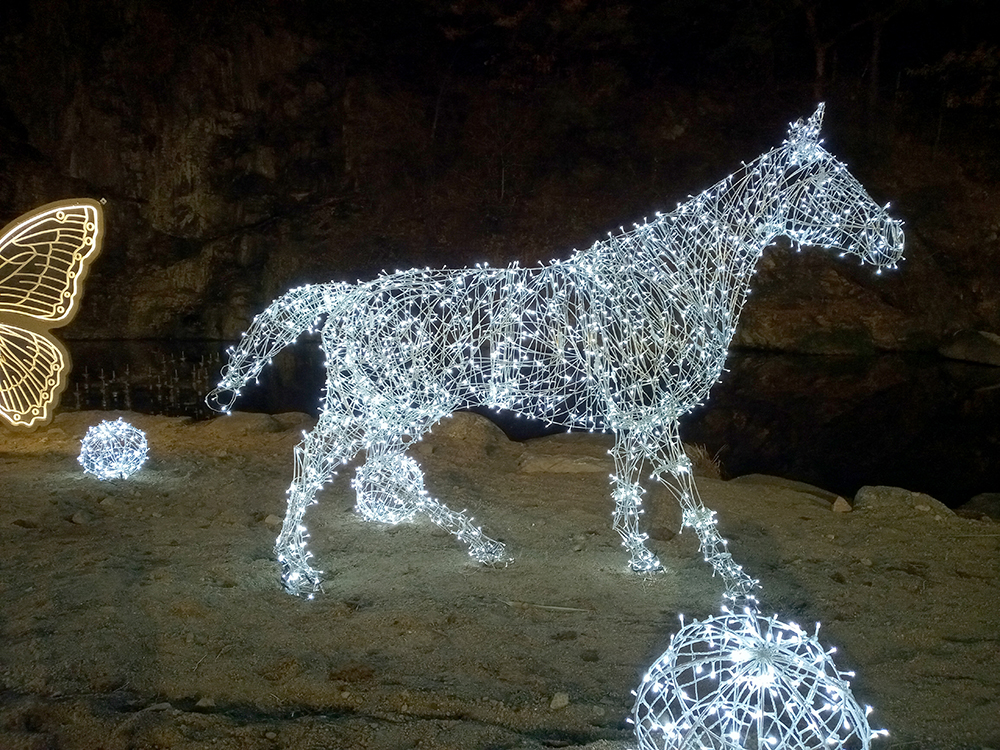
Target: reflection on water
{"type": "Point", "coordinates": [172, 378]}
{"type": "Point", "coordinates": [918, 422]}
{"type": "Point", "coordinates": [913, 421]}
{"type": "Point", "coordinates": [149, 377]}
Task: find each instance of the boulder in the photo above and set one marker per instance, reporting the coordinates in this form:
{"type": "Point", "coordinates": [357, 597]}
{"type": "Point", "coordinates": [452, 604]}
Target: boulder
{"type": "Point", "coordinates": [899, 502]}
{"type": "Point", "coordinates": [981, 347]}
{"type": "Point", "coordinates": [241, 423]}
{"type": "Point", "coordinates": [830, 500]}
{"type": "Point", "coordinates": [467, 437]}
{"type": "Point", "coordinates": [985, 504]}
{"type": "Point", "coordinates": [589, 453]}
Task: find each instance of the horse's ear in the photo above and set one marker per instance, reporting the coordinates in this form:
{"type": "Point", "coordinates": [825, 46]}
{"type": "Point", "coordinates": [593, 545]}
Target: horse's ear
{"type": "Point", "coordinates": [816, 121]}
{"type": "Point", "coordinates": [801, 132]}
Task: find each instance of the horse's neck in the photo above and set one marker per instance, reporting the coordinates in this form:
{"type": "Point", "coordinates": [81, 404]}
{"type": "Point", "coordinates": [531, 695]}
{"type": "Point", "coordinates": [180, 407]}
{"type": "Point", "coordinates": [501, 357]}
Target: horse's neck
{"type": "Point", "coordinates": [718, 236]}
{"type": "Point", "coordinates": [746, 209]}
{"type": "Point", "coordinates": [707, 249]}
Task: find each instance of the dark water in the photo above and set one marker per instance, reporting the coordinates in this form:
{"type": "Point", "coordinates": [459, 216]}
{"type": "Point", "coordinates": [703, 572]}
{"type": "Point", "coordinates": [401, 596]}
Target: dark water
{"type": "Point", "coordinates": [918, 422]}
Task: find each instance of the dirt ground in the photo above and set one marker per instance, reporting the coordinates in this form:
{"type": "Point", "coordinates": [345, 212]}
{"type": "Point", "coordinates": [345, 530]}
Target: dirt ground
{"type": "Point", "coordinates": [147, 613]}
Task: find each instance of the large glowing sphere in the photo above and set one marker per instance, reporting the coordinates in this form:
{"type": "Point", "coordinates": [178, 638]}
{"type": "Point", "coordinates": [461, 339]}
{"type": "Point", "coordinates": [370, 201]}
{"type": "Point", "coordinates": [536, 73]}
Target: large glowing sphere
{"type": "Point", "coordinates": [745, 682]}
{"type": "Point", "coordinates": [113, 450]}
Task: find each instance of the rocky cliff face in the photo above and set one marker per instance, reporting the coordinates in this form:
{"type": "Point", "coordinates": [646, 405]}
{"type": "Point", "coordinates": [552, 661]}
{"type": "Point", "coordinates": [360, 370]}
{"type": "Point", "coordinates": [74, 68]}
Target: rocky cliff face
{"type": "Point", "coordinates": [241, 154]}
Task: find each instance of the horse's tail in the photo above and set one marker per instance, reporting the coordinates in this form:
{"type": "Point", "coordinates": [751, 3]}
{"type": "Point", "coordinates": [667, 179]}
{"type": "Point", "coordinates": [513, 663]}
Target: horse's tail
{"type": "Point", "coordinates": [271, 331]}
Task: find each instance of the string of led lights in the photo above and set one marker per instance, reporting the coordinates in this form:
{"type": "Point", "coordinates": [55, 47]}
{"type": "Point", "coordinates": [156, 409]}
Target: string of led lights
{"type": "Point", "coordinates": [113, 450]}
{"type": "Point", "coordinates": [625, 336]}
{"type": "Point", "coordinates": [741, 681]}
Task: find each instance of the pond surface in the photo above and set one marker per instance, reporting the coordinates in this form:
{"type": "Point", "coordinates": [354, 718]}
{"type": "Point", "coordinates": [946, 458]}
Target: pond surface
{"type": "Point", "coordinates": [918, 422]}
{"type": "Point", "coordinates": [913, 421]}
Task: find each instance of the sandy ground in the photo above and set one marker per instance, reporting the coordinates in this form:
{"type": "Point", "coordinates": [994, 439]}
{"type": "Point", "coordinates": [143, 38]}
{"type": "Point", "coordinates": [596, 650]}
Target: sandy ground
{"type": "Point", "coordinates": [146, 613]}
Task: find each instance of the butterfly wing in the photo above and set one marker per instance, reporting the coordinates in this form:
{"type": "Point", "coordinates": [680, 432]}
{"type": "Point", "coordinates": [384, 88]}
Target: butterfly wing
{"type": "Point", "coordinates": [44, 257]}
{"type": "Point", "coordinates": [32, 375]}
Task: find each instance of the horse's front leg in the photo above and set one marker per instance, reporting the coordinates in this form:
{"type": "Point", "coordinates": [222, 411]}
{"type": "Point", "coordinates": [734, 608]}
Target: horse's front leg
{"type": "Point", "coordinates": [666, 453]}
{"type": "Point", "coordinates": [627, 493]}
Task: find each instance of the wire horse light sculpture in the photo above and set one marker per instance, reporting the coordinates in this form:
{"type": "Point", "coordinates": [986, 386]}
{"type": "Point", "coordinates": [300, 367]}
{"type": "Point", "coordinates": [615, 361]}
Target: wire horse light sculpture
{"type": "Point", "coordinates": [626, 336]}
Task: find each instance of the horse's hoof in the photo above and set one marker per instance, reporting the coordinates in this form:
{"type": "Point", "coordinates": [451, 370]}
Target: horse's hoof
{"type": "Point", "coordinates": [307, 591]}
{"type": "Point", "coordinates": [743, 595]}
{"type": "Point", "coordinates": [499, 561]}
{"type": "Point", "coordinates": [649, 564]}
{"type": "Point", "coordinates": [495, 555]}
{"type": "Point", "coordinates": [303, 583]}
{"type": "Point", "coordinates": [488, 551]}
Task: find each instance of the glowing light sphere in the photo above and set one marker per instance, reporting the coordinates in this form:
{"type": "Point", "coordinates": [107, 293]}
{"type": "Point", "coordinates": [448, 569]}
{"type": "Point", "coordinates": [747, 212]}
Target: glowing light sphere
{"type": "Point", "coordinates": [626, 336]}
{"type": "Point", "coordinates": [745, 682]}
{"type": "Point", "coordinates": [113, 450]}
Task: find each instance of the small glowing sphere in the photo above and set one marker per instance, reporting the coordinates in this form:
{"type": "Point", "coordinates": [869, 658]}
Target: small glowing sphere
{"type": "Point", "coordinates": [742, 682]}
{"type": "Point", "coordinates": [113, 450]}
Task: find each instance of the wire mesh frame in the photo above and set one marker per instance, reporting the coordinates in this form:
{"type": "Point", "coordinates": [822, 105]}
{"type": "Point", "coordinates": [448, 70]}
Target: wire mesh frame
{"type": "Point", "coordinates": [113, 450]}
{"type": "Point", "coordinates": [628, 336]}
{"type": "Point", "coordinates": [745, 682]}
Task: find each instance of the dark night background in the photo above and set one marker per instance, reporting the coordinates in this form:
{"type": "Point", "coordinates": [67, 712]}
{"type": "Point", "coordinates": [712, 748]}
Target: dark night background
{"type": "Point", "coordinates": [243, 148]}
{"type": "Point", "coordinates": [246, 147]}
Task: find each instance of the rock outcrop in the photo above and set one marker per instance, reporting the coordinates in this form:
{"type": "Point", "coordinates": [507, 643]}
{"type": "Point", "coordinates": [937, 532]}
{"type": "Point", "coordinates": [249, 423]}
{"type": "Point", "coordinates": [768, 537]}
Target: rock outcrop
{"type": "Point", "coordinates": [251, 152]}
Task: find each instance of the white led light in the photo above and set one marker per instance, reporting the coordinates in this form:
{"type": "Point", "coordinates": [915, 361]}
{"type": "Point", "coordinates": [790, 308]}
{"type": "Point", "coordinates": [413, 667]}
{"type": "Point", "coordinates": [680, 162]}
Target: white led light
{"type": "Point", "coordinates": [113, 450]}
{"type": "Point", "coordinates": [626, 336]}
{"type": "Point", "coordinates": [772, 685]}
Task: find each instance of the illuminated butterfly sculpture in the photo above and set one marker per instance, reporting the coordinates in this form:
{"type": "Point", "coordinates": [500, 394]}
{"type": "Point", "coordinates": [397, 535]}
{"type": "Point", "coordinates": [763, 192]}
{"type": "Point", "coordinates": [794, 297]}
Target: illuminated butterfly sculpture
{"type": "Point", "coordinates": [44, 257]}
{"type": "Point", "coordinates": [627, 336]}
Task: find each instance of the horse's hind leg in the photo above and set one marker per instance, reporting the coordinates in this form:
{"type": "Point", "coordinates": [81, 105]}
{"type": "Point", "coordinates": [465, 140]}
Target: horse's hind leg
{"type": "Point", "coordinates": [629, 451]}
{"type": "Point", "coordinates": [316, 460]}
{"type": "Point", "coordinates": [481, 547]}
{"type": "Point", "coordinates": [390, 489]}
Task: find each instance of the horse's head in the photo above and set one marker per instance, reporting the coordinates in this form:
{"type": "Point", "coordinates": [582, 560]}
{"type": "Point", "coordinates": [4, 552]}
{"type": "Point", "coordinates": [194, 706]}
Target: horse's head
{"type": "Point", "coordinates": [824, 205]}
